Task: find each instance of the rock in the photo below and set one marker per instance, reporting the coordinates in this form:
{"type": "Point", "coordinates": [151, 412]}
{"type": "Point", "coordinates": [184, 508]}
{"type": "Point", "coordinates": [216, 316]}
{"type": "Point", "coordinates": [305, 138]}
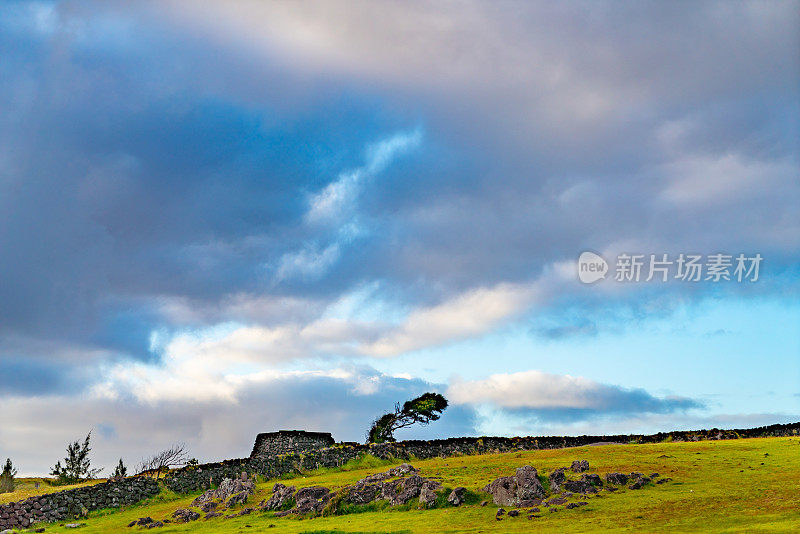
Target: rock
{"type": "Point", "coordinates": [503, 491]}
{"type": "Point", "coordinates": [144, 521]}
{"type": "Point", "coordinates": [662, 480]}
{"type": "Point", "coordinates": [403, 490]}
{"type": "Point", "coordinates": [572, 505]}
{"type": "Point", "coordinates": [427, 496]}
{"type": "Point", "coordinates": [638, 481]}
{"type": "Point", "coordinates": [211, 515]}
{"type": "Point", "coordinates": [311, 500]}
{"type": "Point", "coordinates": [513, 513]}
{"type": "Point", "coordinates": [280, 496]}
{"type": "Point", "coordinates": [500, 511]}
{"type": "Point", "coordinates": [155, 524]}
{"type": "Point", "coordinates": [208, 506]}
{"type": "Point", "coordinates": [653, 475]}
{"type": "Point", "coordinates": [534, 510]}
{"type": "Point", "coordinates": [131, 524]}
{"type": "Point", "coordinates": [579, 486]}
{"type": "Point", "coordinates": [184, 515]}
{"type": "Point", "coordinates": [592, 479]}
{"type": "Point", "coordinates": [484, 503]}
{"type": "Point", "coordinates": [619, 479]}
{"type": "Point", "coordinates": [74, 525]}
{"type": "Point", "coordinates": [528, 484]}
{"type": "Point", "coordinates": [457, 496]}
{"type": "Point", "coordinates": [555, 501]}
{"type": "Point", "coordinates": [363, 493]}
{"type": "Point", "coordinates": [579, 466]}
{"type": "Point", "coordinates": [557, 478]}
{"type": "Point", "coordinates": [40, 529]}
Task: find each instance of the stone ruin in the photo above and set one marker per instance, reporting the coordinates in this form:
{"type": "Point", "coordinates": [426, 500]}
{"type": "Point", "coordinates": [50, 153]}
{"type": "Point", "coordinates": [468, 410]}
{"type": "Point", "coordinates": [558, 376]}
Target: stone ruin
{"type": "Point", "coordinates": [289, 441]}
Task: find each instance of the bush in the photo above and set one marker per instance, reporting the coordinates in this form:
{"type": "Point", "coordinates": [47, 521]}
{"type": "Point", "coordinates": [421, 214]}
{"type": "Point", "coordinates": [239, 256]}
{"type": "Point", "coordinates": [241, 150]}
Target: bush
{"type": "Point", "coordinates": [77, 466]}
{"type": "Point", "coordinates": [7, 477]}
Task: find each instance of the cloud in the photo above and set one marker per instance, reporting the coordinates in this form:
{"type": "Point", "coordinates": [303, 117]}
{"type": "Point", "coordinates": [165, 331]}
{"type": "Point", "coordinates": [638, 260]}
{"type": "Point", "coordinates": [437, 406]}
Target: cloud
{"type": "Point", "coordinates": [336, 401]}
{"type": "Point", "coordinates": [337, 199]}
{"type": "Point", "coordinates": [561, 397]}
{"type": "Point", "coordinates": [467, 315]}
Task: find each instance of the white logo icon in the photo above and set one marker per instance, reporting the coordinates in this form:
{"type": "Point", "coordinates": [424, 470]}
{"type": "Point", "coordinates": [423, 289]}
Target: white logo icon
{"type": "Point", "coordinates": [591, 267]}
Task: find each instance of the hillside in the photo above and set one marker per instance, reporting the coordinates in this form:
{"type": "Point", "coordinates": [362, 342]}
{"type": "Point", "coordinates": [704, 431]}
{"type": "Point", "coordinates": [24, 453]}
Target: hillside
{"type": "Point", "coordinates": [717, 486]}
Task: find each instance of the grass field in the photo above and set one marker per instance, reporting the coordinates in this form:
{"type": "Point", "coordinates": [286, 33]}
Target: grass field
{"type": "Point", "coordinates": [747, 485]}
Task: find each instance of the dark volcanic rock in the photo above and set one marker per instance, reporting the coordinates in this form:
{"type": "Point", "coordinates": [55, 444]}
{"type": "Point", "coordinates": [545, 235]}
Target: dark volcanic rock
{"type": "Point", "coordinates": [557, 478]}
{"type": "Point", "coordinates": [503, 491]}
{"type": "Point", "coordinates": [528, 484]}
{"type": "Point", "coordinates": [521, 488]}
{"type": "Point", "coordinates": [184, 515]}
{"type": "Point", "coordinates": [457, 496]}
{"type": "Point", "coordinates": [280, 496]}
{"type": "Point", "coordinates": [592, 479]}
{"type": "Point", "coordinates": [579, 486]}
{"type": "Point", "coordinates": [363, 493]}
{"type": "Point", "coordinates": [311, 500]}
{"type": "Point", "coordinates": [579, 466]}
{"type": "Point", "coordinates": [619, 479]}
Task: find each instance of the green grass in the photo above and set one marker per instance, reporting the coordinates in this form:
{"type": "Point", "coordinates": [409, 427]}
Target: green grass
{"type": "Point", "coordinates": [748, 485]}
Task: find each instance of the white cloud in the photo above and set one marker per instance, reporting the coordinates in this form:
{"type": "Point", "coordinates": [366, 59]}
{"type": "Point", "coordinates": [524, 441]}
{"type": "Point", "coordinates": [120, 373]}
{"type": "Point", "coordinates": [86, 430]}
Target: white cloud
{"type": "Point", "coordinates": [536, 390]}
{"type": "Point", "coordinates": [469, 314]}
{"type": "Point", "coordinates": [336, 200]}
{"type": "Point", "coordinates": [308, 263]}
{"type": "Point", "coordinates": [704, 180]}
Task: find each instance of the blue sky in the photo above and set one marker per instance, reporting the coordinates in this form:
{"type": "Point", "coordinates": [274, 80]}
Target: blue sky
{"type": "Point", "coordinates": [235, 217]}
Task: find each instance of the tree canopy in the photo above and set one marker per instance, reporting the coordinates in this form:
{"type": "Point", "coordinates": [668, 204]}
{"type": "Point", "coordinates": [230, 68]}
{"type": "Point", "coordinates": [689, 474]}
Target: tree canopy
{"type": "Point", "coordinates": [423, 409]}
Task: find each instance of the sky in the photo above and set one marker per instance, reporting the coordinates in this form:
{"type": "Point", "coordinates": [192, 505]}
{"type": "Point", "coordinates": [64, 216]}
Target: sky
{"type": "Point", "coordinates": [225, 218]}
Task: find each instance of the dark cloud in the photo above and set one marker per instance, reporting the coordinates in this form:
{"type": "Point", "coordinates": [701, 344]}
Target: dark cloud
{"type": "Point", "coordinates": [156, 169]}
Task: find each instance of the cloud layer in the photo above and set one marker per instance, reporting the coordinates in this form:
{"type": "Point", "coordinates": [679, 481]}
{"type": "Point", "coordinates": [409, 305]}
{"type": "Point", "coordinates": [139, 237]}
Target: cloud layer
{"type": "Point", "coordinates": [199, 200]}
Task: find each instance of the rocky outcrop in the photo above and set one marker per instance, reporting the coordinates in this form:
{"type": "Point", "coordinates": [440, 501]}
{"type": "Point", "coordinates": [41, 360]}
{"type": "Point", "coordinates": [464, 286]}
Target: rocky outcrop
{"type": "Point", "coordinates": [231, 492]}
{"type": "Point", "coordinates": [518, 490]}
{"type": "Point", "coordinates": [579, 466]}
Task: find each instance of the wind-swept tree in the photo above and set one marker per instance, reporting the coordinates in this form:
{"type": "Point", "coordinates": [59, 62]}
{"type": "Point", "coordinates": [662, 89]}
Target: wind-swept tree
{"type": "Point", "coordinates": [172, 457]}
{"type": "Point", "coordinates": [7, 477]}
{"type": "Point", "coordinates": [423, 409]}
{"type": "Point", "coordinates": [77, 466]}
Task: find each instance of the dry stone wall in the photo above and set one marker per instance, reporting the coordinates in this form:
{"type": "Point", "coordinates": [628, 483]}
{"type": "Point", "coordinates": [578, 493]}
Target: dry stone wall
{"type": "Point", "coordinates": [75, 502]}
{"type": "Point", "coordinates": [207, 475]}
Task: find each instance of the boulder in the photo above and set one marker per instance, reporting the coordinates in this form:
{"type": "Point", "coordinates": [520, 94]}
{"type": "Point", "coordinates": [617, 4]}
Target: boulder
{"type": "Point", "coordinates": [503, 491]}
{"type": "Point", "coordinates": [280, 496]}
{"type": "Point", "coordinates": [619, 479]}
{"type": "Point", "coordinates": [579, 466]}
{"type": "Point", "coordinates": [579, 486]}
{"type": "Point", "coordinates": [311, 500]}
{"type": "Point", "coordinates": [184, 515]}
{"type": "Point", "coordinates": [457, 496]}
{"type": "Point", "coordinates": [528, 485]}
{"type": "Point", "coordinates": [593, 479]}
{"type": "Point", "coordinates": [557, 478]}
{"type": "Point", "coordinates": [363, 493]}
{"type": "Point", "coordinates": [427, 496]}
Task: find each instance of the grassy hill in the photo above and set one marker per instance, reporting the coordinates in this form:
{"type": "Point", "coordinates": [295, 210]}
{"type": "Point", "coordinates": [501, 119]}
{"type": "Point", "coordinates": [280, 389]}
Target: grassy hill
{"type": "Point", "coordinates": [745, 485]}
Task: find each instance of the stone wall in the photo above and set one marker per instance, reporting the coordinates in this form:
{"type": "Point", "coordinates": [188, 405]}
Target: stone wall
{"type": "Point", "coordinates": [288, 441]}
{"type": "Point", "coordinates": [75, 502]}
{"type": "Point", "coordinates": [207, 475]}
